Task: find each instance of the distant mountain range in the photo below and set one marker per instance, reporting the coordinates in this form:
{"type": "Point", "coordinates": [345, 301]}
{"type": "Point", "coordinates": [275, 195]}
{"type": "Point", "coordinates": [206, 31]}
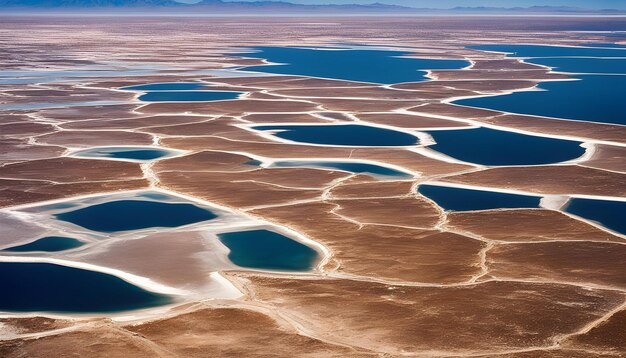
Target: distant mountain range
{"type": "Point", "coordinates": [87, 3]}
{"type": "Point", "coordinates": [208, 7]}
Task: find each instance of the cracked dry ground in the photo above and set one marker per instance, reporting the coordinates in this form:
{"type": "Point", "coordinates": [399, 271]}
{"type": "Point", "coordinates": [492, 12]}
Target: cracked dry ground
{"type": "Point", "coordinates": [404, 277]}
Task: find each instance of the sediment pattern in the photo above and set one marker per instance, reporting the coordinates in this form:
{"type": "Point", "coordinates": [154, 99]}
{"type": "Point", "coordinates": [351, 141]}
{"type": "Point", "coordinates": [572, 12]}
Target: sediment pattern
{"type": "Point", "coordinates": [400, 276]}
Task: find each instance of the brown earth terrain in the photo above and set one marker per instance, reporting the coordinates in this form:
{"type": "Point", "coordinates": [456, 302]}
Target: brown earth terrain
{"type": "Point", "coordinates": [400, 275]}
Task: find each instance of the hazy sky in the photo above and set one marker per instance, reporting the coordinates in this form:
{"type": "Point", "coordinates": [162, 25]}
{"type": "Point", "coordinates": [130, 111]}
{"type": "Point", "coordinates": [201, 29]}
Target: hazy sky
{"type": "Point", "coordinates": [445, 4]}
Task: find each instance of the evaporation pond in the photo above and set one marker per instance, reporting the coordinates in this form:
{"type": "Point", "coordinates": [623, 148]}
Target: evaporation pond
{"type": "Point", "coordinates": [592, 98]}
{"type": "Point", "coordinates": [494, 147]}
{"type": "Point", "coordinates": [264, 249]}
{"type": "Point", "coordinates": [605, 44]}
{"type": "Point", "coordinates": [365, 168]}
{"type": "Point", "coordinates": [49, 244]}
{"type": "Point", "coordinates": [594, 94]}
{"type": "Point", "coordinates": [461, 199]}
{"type": "Point", "coordinates": [583, 65]}
{"type": "Point", "coordinates": [134, 153]}
{"type": "Point", "coordinates": [362, 64]}
{"type": "Point", "coordinates": [56, 288]}
{"type": "Point", "coordinates": [610, 214]}
{"type": "Point", "coordinates": [170, 86]}
{"type": "Point", "coordinates": [341, 135]}
{"type": "Point", "coordinates": [550, 51]}
{"type": "Point", "coordinates": [188, 96]}
{"type": "Point", "coordinates": [125, 215]}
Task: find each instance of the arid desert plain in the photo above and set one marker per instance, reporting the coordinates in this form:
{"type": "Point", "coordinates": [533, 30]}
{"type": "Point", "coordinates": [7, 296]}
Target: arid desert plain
{"type": "Point", "coordinates": [312, 187]}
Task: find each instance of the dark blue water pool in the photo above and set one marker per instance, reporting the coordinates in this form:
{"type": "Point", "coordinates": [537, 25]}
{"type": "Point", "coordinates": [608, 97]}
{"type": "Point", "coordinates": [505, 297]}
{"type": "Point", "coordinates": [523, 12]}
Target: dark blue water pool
{"type": "Point", "coordinates": [605, 44]}
{"type": "Point", "coordinates": [344, 134]}
{"type": "Point", "coordinates": [371, 169]}
{"type": "Point", "coordinates": [458, 199]}
{"type": "Point", "coordinates": [264, 249]}
{"type": "Point", "coordinates": [253, 162]}
{"type": "Point", "coordinates": [493, 147]}
{"type": "Point", "coordinates": [549, 51]}
{"type": "Point", "coordinates": [48, 243]}
{"type": "Point", "coordinates": [171, 86]}
{"type": "Point", "coordinates": [593, 98]}
{"type": "Point", "coordinates": [377, 66]}
{"type": "Point", "coordinates": [583, 65]}
{"type": "Point", "coordinates": [49, 287]}
{"type": "Point", "coordinates": [123, 153]}
{"type": "Point", "coordinates": [610, 214]}
{"type": "Point", "coordinates": [188, 96]}
{"type": "Point", "coordinates": [125, 215]}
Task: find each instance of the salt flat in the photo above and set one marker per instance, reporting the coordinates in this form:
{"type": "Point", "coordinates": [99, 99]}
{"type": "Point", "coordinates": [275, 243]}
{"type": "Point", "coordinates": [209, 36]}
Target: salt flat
{"type": "Point", "coordinates": [385, 269]}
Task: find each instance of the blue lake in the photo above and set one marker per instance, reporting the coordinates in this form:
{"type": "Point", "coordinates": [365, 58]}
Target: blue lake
{"type": "Point", "coordinates": [49, 244]}
{"type": "Point", "coordinates": [365, 168]}
{"type": "Point", "coordinates": [364, 65]}
{"type": "Point", "coordinates": [459, 199]}
{"type": "Point", "coordinates": [341, 135]}
{"type": "Point", "coordinates": [49, 287]}
{"type": "Point", "coordinates": [493, 147]}
{"type": "Point", "coordinates": [592, 98]}
{"type": "Point", "coordinates": [583, 65]}
{"type": "Point", "coordinates": [605, 44]}
{"type": "Point", "coordinates": [188, 96]}
{"type": "Point", "coordinates": [608, 213]}
{"type": "Point", "coordinates": [549, 51]}
{"type": "Point", "coordinates": [264, 249]}
{"type": "Point", "coordinates": [595, 98]}
{"type": "Point", "coordinates": [124, 153]}
{"type": "Point", "coordinates": [171, 86]}
{"type": "Point", "coordinates": [123, 215]}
